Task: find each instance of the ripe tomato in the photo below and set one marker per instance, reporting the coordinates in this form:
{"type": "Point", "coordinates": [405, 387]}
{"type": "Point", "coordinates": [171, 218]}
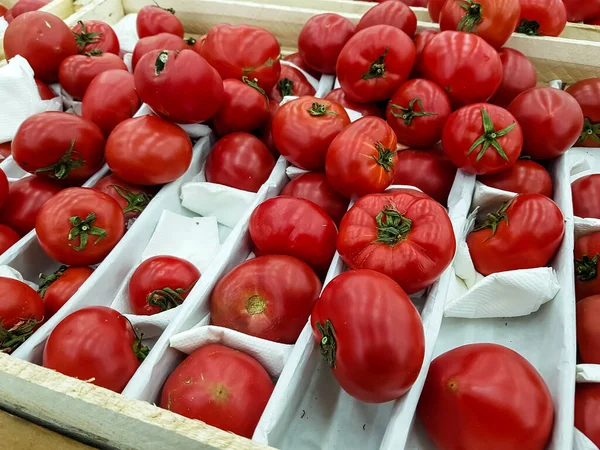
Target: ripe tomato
{"type": "Point", "coordinates": [269, 297]}
{"type": "Point", "coordinates": [375, 62]}
{"type": "Point", "coordinates": [131, 198]}
{"type": "Point", "coordinates": [374, 360]}
{"type": "Point", "coordinates": [362, 159]}
{"type": "Point", "coordinates": [295, 227]}
{"type": "Point", "coordinates": [428, 170]}
{"type": "Point", "coordinates": [524, 233]}
{"type": "Point", "coordinates": [303, 129]}
{"type": "Point", "coordinates": [8, 238]}
{"type": "Point", "coordinates": [57, 288]}
{"type": "Point", "coordinates": [485, 396]}
{"type": "Point", "coordinates": [45, 92]}
{"type": "Point", "coordinates": [8, 16]}
{"type": "Point", "coordinates": [417, 112]}
{"type": "Point", "coordinates": [68, 223]}
{"type": "Point", "coordinates": [396, 14]}
{"type": "Point", "coordinates": [594, 21]}
{"type": "Point", "coordinates": [96, 35]}
{"type": "Point", "coordinates": [153, 19]}
{"type": "Point", "coordinates": [322, 39]}
{"type": "Point", "coordinates": [161, 41]}
{"type": "Point", "coordinates": [586, 196]}
{"type": "Point", "coordinates": [587, 252]}
{"type": "Point", "coordinates": [435, 8]}
{"type": "Point", "coordinates": [59, 145]}
{"type": "Point", "coordinates": [242, 50]}
{"type": "Point", "coordinates": [587, 408]}
{"type": "Point", "coordinates": [96, 344]}
{"type": "Point", "coordinates": [542, 17]}
{"type": "Point", "coordinates": [578, 10]}
{"type": "Point", "coordinates": [23, 6]}
{"type": "Point", "coordinates": [296, 59]}
{"type": "Point", "coordinates": [264, 132]}
{"type": "Point", "coordinates": [161, 283]}
{"type": "Point", "coordinates": [403, 234]}
{"type": "Point", "coordinates": [291, 82]}
{"type": "Point", "coordinates": [5, 150]}
{"type": "Point", "coordinates": [518, 75]}
{"type": "Point", "coordinates": [43, 39]}
{"type": "Point", "coordinates": [523, 177]}
{"type": "Point", "coordinates": [366, 109]}
{"type": "Point", "coordinates": [148, 151]}
{"type": "Point", "coordinates": [587, 94]}
{"type": "Point", "coordinates": [4, 188]}
{"type": "Point", "coordinates": [220, 386]}
{"type": "Point", "coordinates": [245, 107]}
{"type": "Point", "coordinates": [588, 334]}
{"type": "Point", "coordinates": [421, 40]}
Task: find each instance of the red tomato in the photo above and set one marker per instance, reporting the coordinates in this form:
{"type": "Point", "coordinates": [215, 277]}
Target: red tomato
{"type": "Point", "coordinates": [96, 344]}
{"type": "Point", "coordinates": [110, 99]}
{"type": "Point", "coordinates": [291, 82]}
{"type": "Point", "coordinates": [96, 35]}
{"type": "Point", "coordinates": [161, 41]}
{"type": "Point", "coordinates": [375, 62]}
{"type": "Point", "coordinates": [131, 198]}
{"type": "Point", "coordinates": [264, 132]}
{"type": "Point", "coordinates": [4, 188]}
{"type": "Point", "coordinates": [374, 360]}
{"type": "Point", "coordinates": [8, 16]}
{"type": "Point", "coordinates": [59, 145]}
{"type": "Point", "coordinates": [551, 120]}
{"type": "Point", "coordinates": [8, 238]}
{"type": "Point", "coordinates": [394, 13]}
{"type": "Point", "coordinates": [417, 112]}
{"type": "Point", "coordinates": [428, 170]}
{"type": "Point", "coordinates": [221, 387]}
{"type": "Point", "coordinates": [578, 10]}
{"type": "Point", "coordinates": [362, 159]}
{"type": "Point", "coordinates": [403, 234]}
{"type": "Point", "coordinates": [245, 107]}
{"type": "Point", "coordinates": [518, 75]}
{"type": "Point", "coordinates": [148, 151]}
{"type": "Point", "coordinates": [79, 226]}
{"type": "Point", "coordinates": [421, 40]}
{"type": "Point", "coordinates": [5, 150]}
{"type": "Point", "coordinates": [21, 313]}
{"type": "Point", "coordinates": [588, 334]}
{"type": "Point", "coordinates": [3, 10]}
{"type": "Point", "coordinates": [587, 252]}
{"type": "Point", "coordinates": [485, 396]}
{"type": "Point", "coordinates": [482, 139]}
{"type": "Point", "coordinates": [587, 94]}
{"type": "Point", "coordinates": [57, 288]}
{"type": "Point", "coordinates": [523, 234]}
{"type": "Point", "coordinates": [295, 227]}
{"type": "Point", "coordinates": [23, 6]}
{"type": "Point", "coordinates": [595, 21]}
{"type": "Point", "coordinates": [296, 59]}
{"type": "Point", "coordinates": [45, 92]}
{"type": "Point", "coordinates": [366, 109]}
{"type": "Point", "coordinates": [242, 50]}
{"type": "Point", "coordinates": [523, 177]}
{"type": "Point", "coordinates": [417, 3]}
{"type": "Point", "coordinates": [542, 17]}
{"type": "Point", "coordinates": [587, 408]}
{"type": "Point", "coordinates": [153, 19]}
{"type": "Point", "coordinates": [43, 39]}
{"type": "Point", "coordinates": [303, 129]}
{"type": "Point", "coordinates": [161, 283]}
{"type": "Point", "coordinates": [586, 196]}
{"type": "Point", "coordinates": [435, 8]}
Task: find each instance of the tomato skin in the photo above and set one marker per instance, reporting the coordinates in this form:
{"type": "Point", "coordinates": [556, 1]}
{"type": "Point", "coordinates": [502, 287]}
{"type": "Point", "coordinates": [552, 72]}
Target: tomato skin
{"type": "Point", "coordinates": [518, 75]}
{"type": "Point", "coordinates": [420, 39]}
{"type": "Point", "coordinates": [131, 198]}
{"type": "Point", "coordinates": [8, 16]}
{"type": "Point", "coordinates": [5, 150]}
{"type": "Point", "coordinates": [375, 360]}
{"type": "Point", "coordinates": [148, 151]}
{"type": "Point", "coordinates": [578, 10]}
{"type": "Point", "coordinates": [269, 297]}
{"type": "Point", "coordinates": [587, 407]}
{"type": "Point", "coordinates": [220, 386]}
{"type": "Point", "coordinates": [366, 109]}
{"type": "Point", "coordinates": [57, 288]}
{"type": "Point", "coordinates": [45, 92]}
{"type": "Point", "coordinates": [588, 336]}
{"type": "Point", "coordinates": [244, 108]}
{"type": "Point", "coordinates": [394, 13]}
{"type": "Point", "coordinates": [77, 72]}
{"type": "Point", "coordinates": [421, 254]}
{"type": "Point", "coordinates": [485, 396]}
{"type": "Point", "coordinates": [8, 238]}
{"type": "Point", "coordinates": [586, 196]}
{"type": "Point", "coordinates": [587, 94]}
{"type": "Point", "coordinates": [264, 132]}
{"type": "Point", "coordinates": [435, 8]}
{"type": "Point", "coordinates": [523, 177]}
{"type": "Point", "coordinates": [299, 84]}
{"type": "Point", "coordinates": [595, 21]}
{"type": "Point", "coordinates": [302, 136]}
{"type": "Point", "coordinates": [549, 15]}
{"type": "Point", "coordinates": [4, 188]}
{"type": "Point", "coordinates": [23, 6]}
{"type": "Point", "coordinates": [106, 39]}
{"type": "Point", "coordinates": [160, 41]}
{"type": "Point", "coordinates": [153, 19]}
{"type": "Point", "coordinates": [43, 40]}
{"type": "Point", "coordinates": [296, 59]}
{"type": "Point", "coordinates": [587, 282]}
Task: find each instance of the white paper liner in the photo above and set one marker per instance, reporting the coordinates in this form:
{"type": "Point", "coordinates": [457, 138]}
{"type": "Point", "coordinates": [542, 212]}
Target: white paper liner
{"type": "Point", "coordinates": [581, 442]}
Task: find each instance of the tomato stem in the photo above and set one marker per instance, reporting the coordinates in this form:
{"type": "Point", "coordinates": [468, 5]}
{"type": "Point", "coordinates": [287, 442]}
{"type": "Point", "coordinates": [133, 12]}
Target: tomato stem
{"type": "Point", "coordinates": [493, 219]}
{"type": "Point", "coordinates": [83, 228]}
{"type": "Point", "coordinates": [11, 338]}
{"type": "Point", "coordinates": [94, 52]}
{"type": "Point", "coordinates": [135, 202]}
{"type": "Point", "coordinates": [409, 113]}
{"type": "Point", "coordinates": [65, 164]}
{"type": "Point", "coordinates": [84, 38]}
{"type": "Point", "coordinates": [385, 157]}
{"type": "Point", "coordinates": [47, 280]}
{"type": "Point", "coordinates": [377, 69]}
{"type": "Point", "coordinates": [285, 87]}
{"type": "Point", "coordinates": [190, 41]}
{"type": "Point", "coordinates": [586, 268]}
{"type": "Point", "coordinates": [590, 130]}
{"type": "Point", "coordinates": [161, 62]}
{"type": "Point", "coordinates": [529, 27]}
{"type": "Point", "coordinates": [489, 137]}
{"type": "Point", "coordinates": [472, 18]}
{"type": "Point", "coordinates": [327, 344]}
{"type": "Point", "coordinates": [394, 229]}
{"type": "Point", "coordinates": [171, 10]}
{"type": "Point", "coordinates": [256, 304]}
{"type": "Point", "coordinates": [254, 84]}
{"type": "Point", "coordinates": [168, 298]}
{"type": "Point", "coordinates": [320, 109]}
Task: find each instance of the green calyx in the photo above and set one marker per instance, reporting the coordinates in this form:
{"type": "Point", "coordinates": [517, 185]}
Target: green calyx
{"type": "Point", "coordinates": [285, 87]}
{"type": "Point", "coordinates": [490, 137]}
{"type": "Point", "coordinates": [586, 268]}
{"type": "Point", "coordinates": [161, 62]}
{"type": "Point", "coordinates": [135, 202]}
{"type": "Point", "coordinates": [392, 227]}
{"type": "Point", "coordinates": [69, 161]}
{"type": "Point", "coordinates": [171, 10]}
{"type": "Point", "coordinates": [94, 52]}
{"type": "Point", "coordinates": [47, 280]}
{"type": "Point", "coordinates": [408, 114]}
{"type": "Point", "coordinates": [590, 131]}
{"type": "Point", "coordinates": [254, 84]}
{"type": "Point", "coordinates": [168, 298]}
{"type": "Point", "coordinates": [11, 338]}
{"type": "Point", "coordinates": [385, 157]}
{"type": "Point", "coordinates": [320, 109]}
{"type": "Point", "coordinates": [327, 344]}
{"type": "Point", "coordinates": [377, 68]}
{"type": "Point", "coordinates": [83, 228]}
{"type": "Point", "coordinates": [529, 27]}
{"type": "Point", "coordinates": [494, 219]}
{"type": "Point", "coordinates": [472, 18]}
{"type": "Point", "coordinates": [84, 38]}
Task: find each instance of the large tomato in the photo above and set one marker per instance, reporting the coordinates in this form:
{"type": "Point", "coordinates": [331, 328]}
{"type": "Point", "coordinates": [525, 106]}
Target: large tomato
{"type": "Point", "coordinates": [587, 253]}
{"type": "Point", "coordinates": [221, 387]}
{"type": "Point", "coordinates": [551, 120]}
{"type": "Point", "coordinates": [161, 41]}
{"type": "Point", "coordinates": [291, 82]}
{"type": "Point", "coordinates": [296, 59]}
{"type": "Point", "coordinates": [148, 150]}
{"type": "Point", "coordinates": [23, 6]}
{"type": "Point", "coordinates": [153, 19]}
{"type": "Point", "coordinates": [239, 160]}
{"type": "Point", "coordinates": [586, 196]}
{"type": "Point", "coordinates": [588, 334]}
{"type": "Point", "coordinates": [131, 198]}
{"type": "Point", "coordinates": [59, 145]}
{"type": "Point", "coordinates": [395, 13]}
{"type": "Point", "coordinates": [524, 233]}
{"type": "Point", "coordinates": [264, 132]}
{"type": "Point", "coordinates": [485, 396]}
{"type": "Point", "coordinates": [57, 288]}
{"type": "Point", "coordinates": [578, 10]}
{"type": "Point", "coordinates": [374, 360]}
{"type": "Point", "coordinates": [96, 35]}
{"type": "Point", "coordinates": [435, 8]}
{"type": "Point", "coordinates": [403, 234]}
{"type": "Point", "coordinates": [43, 39]}
{"type": "Point", "coordinates": [8, 238]}
{"type": "Point", "coordinates": [96, 344]}
{"type": "Point", "coordinates": [303, 129]}
{"type": "Point", "coordinates": [375, 62]}
{"type": "Point", "coordinates": [587, 94]}
{"type": "Point", "coordinates": [464, 65]}
{"type": "Point", "coordinates": [587, 408]}
{"type": "Point", "coordinates": [269, 297]}
{"type": "Point", "coordinates": [295, 227]}
{"type": "Point", "coordinates": [523, 177]}
{"type": "Point", "coordinates": [366, 109]}
{"type": "Point", "coordinates": [518, 75]}
{"type": "Point", "coordinates": [421, 39]}
{"type": "Point", "coordinates": [417, 112]}
{"type": "Point", "coordinates": [542, 17]}
{"type": "Point", "coordinates": [362, 159]}
{"type": "Point", "coordinates": [79, 226]}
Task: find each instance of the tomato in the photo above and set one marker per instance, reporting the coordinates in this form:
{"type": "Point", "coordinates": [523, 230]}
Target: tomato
{"type": "Point", "coordinates": [79, 226]}
{"type": "Point", "coordinates": [8, 16]}
{"type": "Point", "coordinates": [587, 252]}
{"type": "Point", "coordinates": [5, 150]}
{"type": "Point", "coordinates": [59, 145]}
{"type": "Point", "coordinates": [578, 10]}
{"type": "Point", "coordinates": [435, 8]}
{"type": "Point", "coordinates": [586, 196]}
{"type": "Point", "coordinates": [375, 62]}
{"type": "Point", "coordinates": [595, 21]}
{"type": "Point", "coordinates": [8, 238]}
{"type": "Point", "coordinates": [45, 92]}
{"type": "Point", "coordinates": [362, 159]}
{"type": "Point", "coordinates": [421, 40]}
{"type": "Point", "coordinates": [23, 6]}
{"type": "Point", "coordinates": [153, 19]}
{"type": "Point", "coordinates": [551, 120]}
{"type": "Point", "coordinates": [417, 112]}
{"type": "Point", "coordinates": [291, 82]}
{"type": "Point", "coordinates": [428, 170]}
{"type": "Point", "coordinates": [148, 151]}
{"type": "Point", "coordinates": [417, 3]}
{"type": "Point", "coordinates": [588, 336]}
{"type": "Point", "coordinates": [221, 387]}
{"type": "Point", "coordinates": [518, 75]}
{"type": "Point", "coordinates": [96, 35]}
{"type": "Point", "coordinates": [57, 288]}
{"type": "Point", "coordinates": [43, 39]}
{"type": "Point", "coordinates": [295, 227]}
{"type": "Point", "coordinates": [96, 344]}
{"type": "Point", "coordinates": [523, 177]}
{"type": "Point", "coordinates": [524, 233]}
{"type": "Point", "coordinates": [161, 41]}
{"type": "Point", "coordinates": [242, 50]}
{"type": "Point", "coordinates": [485, 396]}
{"type": "Point", "coordinates": [542, 17]}
{"type": "Point", "coordinates": [245, 107]}
{"type": "Point", "coordinates": [403, 234]}
{"type": "Point", "coordinates": [264, 132]}
{"type": "Point", "coordinates": [269, 297]}
{"type": "Point", "coordinates": [370, 335]}
{"type": "Point", "coordinates": [131, 198]}
{"type": "Point", "coordinates": [303, 129]}
{"type": "Point", "coordinates": [366, 109]}
{"type": "Point", "coordinates": [296, 59]}
{"type": "Point", "coordinates": [587, 94]}
{"type": "Point", "coordinates": [21, 313]}
{"type": "Point", "coordinates": [587, 408]}
{"type": "Point", "coordinates": [394, 13]}
{"type": "Point", "coordinates": [4, 188]}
